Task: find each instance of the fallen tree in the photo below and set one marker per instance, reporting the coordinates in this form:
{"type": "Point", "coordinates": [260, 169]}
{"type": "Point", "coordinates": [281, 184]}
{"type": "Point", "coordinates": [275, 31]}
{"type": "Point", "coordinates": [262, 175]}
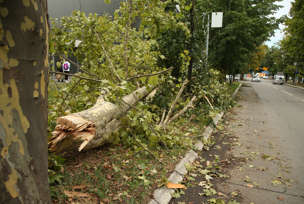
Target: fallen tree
{"type": "Point", "coordinates": [92, 127]}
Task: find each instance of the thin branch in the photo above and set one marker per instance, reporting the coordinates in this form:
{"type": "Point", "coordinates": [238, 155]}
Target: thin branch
{"type": "Point", "coordinates": [162, 118]}
{"type": "Point", "coordinates": [208, 102]}
{"type": "Point", "coordinates": [148, 75]}
{"type": "Point", "coordinates": [175, 100]}
{"type": "Point", "coordinates": [107, 56]}
{"type": "Point", "coordinates": [147, 150]}
{"type": "Point", "coordinates": [77, 76]}
{"type": "Point", "coordinates": [69, 93]}
{"type": "Point", "coordinates": [189, 105]}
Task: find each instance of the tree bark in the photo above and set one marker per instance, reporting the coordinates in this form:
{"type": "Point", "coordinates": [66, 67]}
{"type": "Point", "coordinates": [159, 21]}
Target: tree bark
{"type": "Point", "coordinates": [191, 46]}
{"type": "Point", "coordinates": [23, 102]}
{"type": "Point", "coordinates": [92, 127]}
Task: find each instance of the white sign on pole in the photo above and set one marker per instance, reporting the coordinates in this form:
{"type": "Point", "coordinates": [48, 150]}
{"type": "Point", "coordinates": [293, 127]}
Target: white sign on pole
{"type": "Point", "coordinates": [217, 20]}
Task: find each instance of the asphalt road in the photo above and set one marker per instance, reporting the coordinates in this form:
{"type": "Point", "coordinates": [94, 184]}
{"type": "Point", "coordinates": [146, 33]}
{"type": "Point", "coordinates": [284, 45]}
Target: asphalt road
{"type": "Point", "coordinates": [260, 147]}
{"type": "Point", "coordinates": [270, 125]}
{"type": "Point", "coordinates": [285, 105]}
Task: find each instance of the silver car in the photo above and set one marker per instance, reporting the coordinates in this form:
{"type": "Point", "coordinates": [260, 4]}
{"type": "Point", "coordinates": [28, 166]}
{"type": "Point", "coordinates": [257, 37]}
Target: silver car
{"type": "Point", "coordinates": [278, 81]}
{"type": "Point", "coordinates": [256, 79]}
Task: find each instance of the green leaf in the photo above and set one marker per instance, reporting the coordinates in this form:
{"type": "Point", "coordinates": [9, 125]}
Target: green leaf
{"type": "Point", "coordinates": [107, 1]}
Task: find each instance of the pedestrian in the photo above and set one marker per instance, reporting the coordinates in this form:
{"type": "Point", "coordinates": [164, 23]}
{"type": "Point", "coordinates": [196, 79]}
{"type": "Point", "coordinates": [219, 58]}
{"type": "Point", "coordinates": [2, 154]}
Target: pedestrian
{"type": "Point", "coordinates": [66, 69]}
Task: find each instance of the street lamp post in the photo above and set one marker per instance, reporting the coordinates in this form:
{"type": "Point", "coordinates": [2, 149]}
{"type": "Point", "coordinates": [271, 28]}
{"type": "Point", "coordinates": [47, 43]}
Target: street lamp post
{"type": "Point", "coordinates": [216, 22]}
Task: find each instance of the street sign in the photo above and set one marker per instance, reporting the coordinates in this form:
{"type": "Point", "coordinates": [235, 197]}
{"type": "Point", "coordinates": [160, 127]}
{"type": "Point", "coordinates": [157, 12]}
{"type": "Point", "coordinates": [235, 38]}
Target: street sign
{"type": "Point", "coordinates": [217, 20]}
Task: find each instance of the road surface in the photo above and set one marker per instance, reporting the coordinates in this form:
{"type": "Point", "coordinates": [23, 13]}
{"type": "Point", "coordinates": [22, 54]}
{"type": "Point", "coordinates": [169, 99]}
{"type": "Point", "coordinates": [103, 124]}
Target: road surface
{"type": "Point", "coordinates": [270, 125]}
{"type": "Point", "coordinates": [260, 147]}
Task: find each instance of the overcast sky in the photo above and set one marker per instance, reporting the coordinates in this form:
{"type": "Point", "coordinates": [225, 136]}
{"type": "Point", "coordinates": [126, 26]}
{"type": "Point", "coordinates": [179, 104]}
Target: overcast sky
{"type": "Point", "coordinates": [279, 33]}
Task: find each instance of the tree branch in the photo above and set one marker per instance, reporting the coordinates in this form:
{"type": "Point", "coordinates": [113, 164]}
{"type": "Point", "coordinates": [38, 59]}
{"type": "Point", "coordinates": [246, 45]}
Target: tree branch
{"type": "Point", "coordinates": [148, 75]}
{"type": "Point", "coordinates": [107, 56]}
{"type": "Point", "coordinates": [189, 105]}
{"type": "Point", "coordinates": [208, 102]}
{"type": "Point", "coordinates": [175, 101]}
{"type": "Point", "coordinates": [77, 76]}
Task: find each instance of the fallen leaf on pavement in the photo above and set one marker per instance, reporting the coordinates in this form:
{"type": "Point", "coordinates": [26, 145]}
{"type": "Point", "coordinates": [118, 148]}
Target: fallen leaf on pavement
{"type": "Point", "coordinates": [234, 194]}
{"type": "Point", "coordinates": [250, 185]}
{"type": "Point", "coordinates": [175, 185]}
{"type": "Point", "coordinates": [280, 198]}
{"type": "Point", "coordinates": [276, 182]}
{"type": "Point", "coordinates": [221, 194]}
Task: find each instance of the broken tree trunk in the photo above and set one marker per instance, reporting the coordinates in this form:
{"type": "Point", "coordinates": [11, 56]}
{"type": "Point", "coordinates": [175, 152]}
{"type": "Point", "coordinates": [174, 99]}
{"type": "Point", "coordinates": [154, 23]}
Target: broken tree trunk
{"type": "Point", "coordinates": [92, 127]}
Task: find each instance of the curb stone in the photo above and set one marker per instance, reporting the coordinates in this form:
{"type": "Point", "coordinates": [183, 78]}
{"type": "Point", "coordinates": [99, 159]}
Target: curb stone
{"type": "Point", "coordinates": [188, 159]}
{"type": "Point", "coordinates": [299, 87]}
{"type": "Point", "coordinates": [175, 177]}
{"type": "Point", "coordinates": [236, 90]}
{"type": "Point", "coordinates": [164, 195]}
{"type": "Point", "coordinates": [153, 202]}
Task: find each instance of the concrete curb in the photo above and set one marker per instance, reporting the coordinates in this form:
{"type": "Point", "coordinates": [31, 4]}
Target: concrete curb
{"type": "Point", "coordinates": [299, 87]}
{"type": "Point", "coordinates": [236, 90]}
{"type": "Point", "coordinates": [164, 195]}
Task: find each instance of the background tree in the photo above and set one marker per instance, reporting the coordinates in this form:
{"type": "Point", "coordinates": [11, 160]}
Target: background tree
{"type": "Point", "coordinates": [246, 25]}
{"type": "Point", "coordinates": [23, 102]}
{"type": "Point", "coordinates": [293, 43]}
{"type": "Point", "coordinates": [257, 58]}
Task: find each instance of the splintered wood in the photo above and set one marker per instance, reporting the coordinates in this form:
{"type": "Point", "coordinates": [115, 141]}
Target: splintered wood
{"type": "Point", "coordinates": [71, 127]}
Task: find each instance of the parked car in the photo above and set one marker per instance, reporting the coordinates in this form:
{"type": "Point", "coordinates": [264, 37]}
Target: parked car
{"type": "Point", "coordinates": [237, 77]}
{"type": "Point", "coordinates": [279, 75]}
{"type": "Point", "coordinates": [265, 77]}
{"type": "Point", "coordinates": [256, 79]}
{"type": "Point", "coordinates": [278, 81]}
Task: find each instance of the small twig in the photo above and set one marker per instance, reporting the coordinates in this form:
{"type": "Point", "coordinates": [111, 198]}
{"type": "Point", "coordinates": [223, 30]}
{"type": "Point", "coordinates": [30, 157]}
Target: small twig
{"type": "Point", "coordinates": [175, 101]}
{"type": "Point", "coordinates": [148, 75]}
{"type": "Point", "coordinates": [77, 76]}
{"type": "Point", "coordinates": [107, 56]}
{"type": "Point", "coordinates": [208, 102]}
{"type": "Point", "coordinates": [147, 150]}
{"type": "Point", "coordinates": [69, 93]}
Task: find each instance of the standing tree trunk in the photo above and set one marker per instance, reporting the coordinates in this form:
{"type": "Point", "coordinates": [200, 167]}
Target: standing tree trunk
{"type": "Point", "coordinates": [23, 101]}
{"type": "Point", "coordinates": [192, 41]}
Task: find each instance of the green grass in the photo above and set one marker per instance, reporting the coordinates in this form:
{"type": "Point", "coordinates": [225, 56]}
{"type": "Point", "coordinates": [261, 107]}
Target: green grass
{"type": "Point", "coordinates": [116, 174]}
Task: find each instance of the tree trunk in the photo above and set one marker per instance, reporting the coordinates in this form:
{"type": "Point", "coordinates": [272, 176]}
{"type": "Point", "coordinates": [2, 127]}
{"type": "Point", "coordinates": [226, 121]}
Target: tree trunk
{"type": "Point", "coordinates": [92, 127]}
{"type": "Point", "coordinates": [23, 102]}
{"type": "Point", "coordinates": [191, 46]}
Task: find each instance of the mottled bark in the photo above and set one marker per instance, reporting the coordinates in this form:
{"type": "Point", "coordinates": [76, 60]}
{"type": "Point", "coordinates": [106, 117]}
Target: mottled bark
{"type": "Point", "coordinates": [23, 101]}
